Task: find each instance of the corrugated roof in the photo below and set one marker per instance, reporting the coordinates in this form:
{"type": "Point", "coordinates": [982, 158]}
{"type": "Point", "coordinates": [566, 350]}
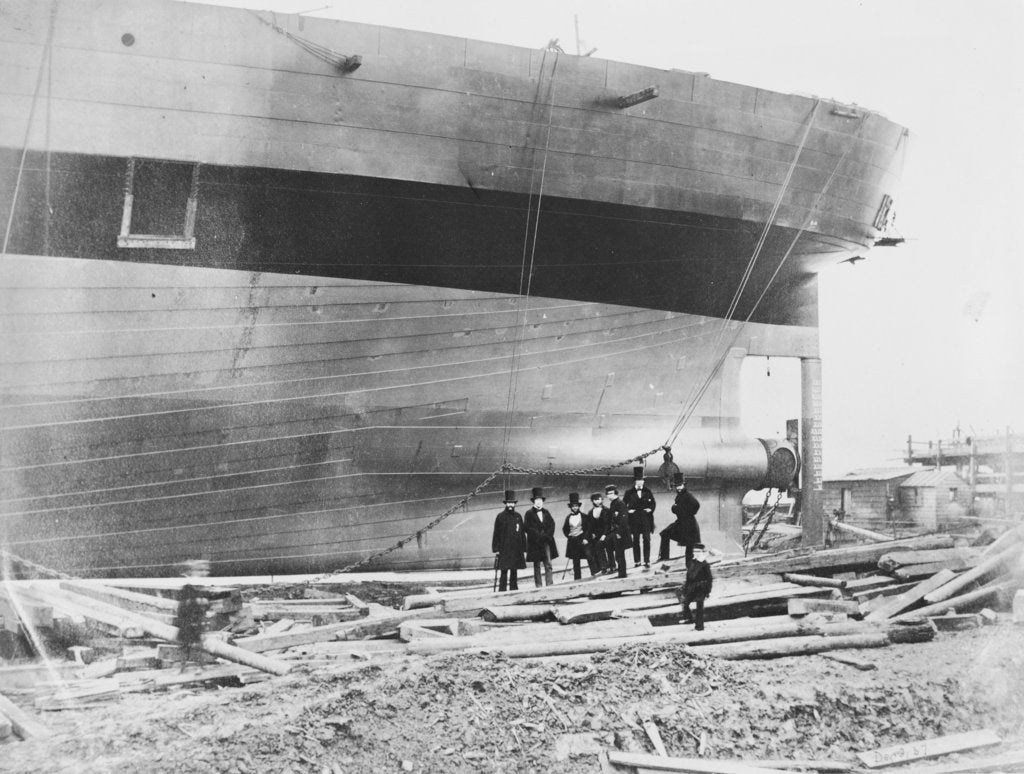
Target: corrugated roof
{"type": "Point", "coordinates": [925, 478]}
{"type": "Point", "coordinates": [875, 474]}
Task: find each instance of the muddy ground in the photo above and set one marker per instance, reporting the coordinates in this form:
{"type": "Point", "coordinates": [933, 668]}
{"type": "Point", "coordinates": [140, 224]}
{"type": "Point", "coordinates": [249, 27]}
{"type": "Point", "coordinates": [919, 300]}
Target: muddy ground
{"type": "Point", "coordinates": [488, 713]}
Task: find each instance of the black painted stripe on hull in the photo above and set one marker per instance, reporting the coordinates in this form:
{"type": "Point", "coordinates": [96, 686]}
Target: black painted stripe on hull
{"type": "Point", "coordinates": [263, 220]}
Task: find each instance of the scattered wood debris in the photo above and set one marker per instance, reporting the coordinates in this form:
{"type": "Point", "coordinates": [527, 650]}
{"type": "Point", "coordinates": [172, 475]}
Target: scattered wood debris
{"type": "Point", "coordinates": [792, 603]}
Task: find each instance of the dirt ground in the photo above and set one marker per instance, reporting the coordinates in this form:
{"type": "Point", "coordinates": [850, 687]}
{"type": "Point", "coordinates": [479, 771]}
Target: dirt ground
{"type": "Point", "coordinates": [488, 713]}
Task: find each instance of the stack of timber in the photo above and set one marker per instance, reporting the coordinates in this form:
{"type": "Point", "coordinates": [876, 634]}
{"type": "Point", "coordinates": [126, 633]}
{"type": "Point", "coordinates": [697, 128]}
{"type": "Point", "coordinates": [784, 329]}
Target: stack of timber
{"type": "Point", "coordinates": [793, 603]}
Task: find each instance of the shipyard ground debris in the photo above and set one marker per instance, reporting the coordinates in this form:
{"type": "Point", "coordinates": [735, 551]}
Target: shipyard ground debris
{"type": "Point", "coordinates": [571, 677]}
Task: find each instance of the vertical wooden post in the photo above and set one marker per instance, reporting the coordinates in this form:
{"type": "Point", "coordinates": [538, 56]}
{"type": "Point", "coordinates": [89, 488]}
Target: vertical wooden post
{"type": "Point", "coordinates": [810, 452]}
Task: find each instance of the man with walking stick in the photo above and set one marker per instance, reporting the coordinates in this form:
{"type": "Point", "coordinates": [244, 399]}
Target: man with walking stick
{"type": "Point", "coordinates": [509, 544]}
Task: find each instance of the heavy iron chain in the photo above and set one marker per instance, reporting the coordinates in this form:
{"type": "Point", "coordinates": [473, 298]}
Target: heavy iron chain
{"type": "Point", "coordinates": [582, 471]}
{"type": "Point", "coordinates": [750, 541]}
{"type": "Point", "coordinates": [505, 468]}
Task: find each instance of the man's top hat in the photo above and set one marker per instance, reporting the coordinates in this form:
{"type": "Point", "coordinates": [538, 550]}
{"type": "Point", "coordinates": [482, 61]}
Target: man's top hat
{"type": "Point", "coordinates": [611, 488]}
{"type": "Point", "coordinates": [677, 479]}
{"type": "Point", "coordinates": [574, 498]}
{"type": "Point", "coordinates": [638, 473]}
{"type": "Point", "coordinates": [536, 492]}
{"type": "Point", "coordinates": [510, 496]}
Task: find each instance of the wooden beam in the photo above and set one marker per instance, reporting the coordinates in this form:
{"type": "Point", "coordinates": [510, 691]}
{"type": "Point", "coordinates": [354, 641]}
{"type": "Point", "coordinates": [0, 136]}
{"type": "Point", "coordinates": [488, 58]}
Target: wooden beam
{"type": "Point", "coordinates": [146, 625]}
{"type": "Point", "coordinates": [861, 557]}
{"type": "Point", "coordinates": [928, 748]}
{"type": "Point", "coordinates": [957, 557]}
{"type": "Point", "coordinates": [891, 607]}
{"type": "Point", "coordinates": [878, 537]}
{"type": "Point", "coordinates": [799, 606]}
{"type": "Point", "coordinates": [813, 580]}
{"type": "Point", "coordinates": [129, 600]}
{"type": "Point", "coordinates": [856, 663]}
{"type": "Point", "coordinates": [1007, 761]}
{"type": "Point", "coordinates": [518, 613]}
{"type": "Point", "coordinates": [1003, 583]}
{"type": "Point", "coordinates": [691, 765]}
{"type": "Point", "coordinates": [989, 565]}
{"type": "Point", "coordinates": [25, 726]}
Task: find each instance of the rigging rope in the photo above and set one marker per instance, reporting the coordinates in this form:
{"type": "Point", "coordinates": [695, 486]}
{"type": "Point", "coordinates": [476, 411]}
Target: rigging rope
{"type": "Point", "coordinates": [698, 388]}
{"type": "Point", "coordinates": [532, 221]}
{"type": "Point", "coordinates": [340, 61]}
{"type": "Point", "coordinates": [47, 46]}
{"type": "Point", "coordinates": [688, 411]}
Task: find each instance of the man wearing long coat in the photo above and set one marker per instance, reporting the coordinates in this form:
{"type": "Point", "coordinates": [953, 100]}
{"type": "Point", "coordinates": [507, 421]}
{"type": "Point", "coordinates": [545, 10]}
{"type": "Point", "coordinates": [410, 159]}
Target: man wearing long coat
{"type": "Point", "coordinates": [540, 538]}
{"type": "Point", "coordinates": [639, 502]}
{"type": "Point", "coordinates": [509, 544]}
{"type": "Point", "coordinates": [618, 533]}
{"type": "Point", "coordinates": [684, 530]}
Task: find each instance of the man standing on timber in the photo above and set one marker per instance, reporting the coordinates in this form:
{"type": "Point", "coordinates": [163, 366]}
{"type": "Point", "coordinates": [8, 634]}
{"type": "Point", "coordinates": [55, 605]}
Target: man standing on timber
{"type": "Point", "coordinates": [697, 587]}
{"type": "Point", "coordinates": [540, 538]}
{"type": "Point", "coordinates": [684, 530]}
{"type": "Point", "coordinates": [576, 529]}
{"type": "Point", "coordinates": [639, 502]}
{"type": "Point", "coordinates": [597, 520]}
{"type": "Point", "coordinates": [618, 528]}
{"type": "Point", "coordinates": [509, 544]}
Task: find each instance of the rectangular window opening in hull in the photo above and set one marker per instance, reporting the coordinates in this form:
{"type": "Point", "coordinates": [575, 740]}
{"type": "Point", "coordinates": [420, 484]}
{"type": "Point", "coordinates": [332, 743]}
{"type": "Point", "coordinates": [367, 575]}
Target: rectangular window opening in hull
{"type": "Point", "coordinates": [159, 205]}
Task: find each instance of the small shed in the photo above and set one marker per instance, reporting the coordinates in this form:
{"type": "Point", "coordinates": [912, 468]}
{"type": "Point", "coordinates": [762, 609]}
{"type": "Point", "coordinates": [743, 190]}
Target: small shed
{"type": "Point", "coordinates": [898, 500]}
{"type": "Point", "coordinates": [867, 497]}
{"type": "Point", "coordinates": [934, 499]}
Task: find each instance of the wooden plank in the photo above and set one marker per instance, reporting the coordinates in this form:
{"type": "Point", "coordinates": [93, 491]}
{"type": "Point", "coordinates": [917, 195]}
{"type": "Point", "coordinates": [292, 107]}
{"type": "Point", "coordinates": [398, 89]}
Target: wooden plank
{"type": "Point", "coordinates": [957, 557]}
{"type": "Point", "coordinates": [799, 606]}
{"type": "Point", "coordinates": [135, 622]}
{"type": "Point", "coordinates": [795, 646]}
{"type": "Point", "coordinates": [537, 634]}
{"type": "Point", "coordinates": [956, 622]}
{"type": "Point", "coordinates": [129, 600]}
{"type": "Point", "coordinates": [856, 663]}
{"type": "Point", "coordinates": [832, 560]}
{"type": "Point", "coordinates": [118, 619]}
{"type": "Point", "coordinates": [1003, 583]}
{"type": "Point", "coordinates": [692, 765]}
{"type": "Point", "coordinates": [358, 604]}
{"type": "Point", "coordinates": [261, 643]}
{"type": "Point", "coordinates": [1008, 761]}
{"type": "Point", "coordinates": [891, 607]}
{"type": "Point", "coordinates": [917, 571]}
{"type": "Point", "coordinates": [928, 748]}
{"type": "Point", "coordinates": [1004, 541]}
{"type": "Point", "coordinates": [813, 580]}
{"type": "Point", "coordinates": [878, 537]}
{"type": "Point", "coordinates": [518, 613]}
{"type": "Point", "coordinates": [25, 726]}
{"type": "Point", "coordinates": [562, 592]}
{"type": "Point", "coordinates": [988, 566]}
{"type": "Point", "coordinates": [16, 610]}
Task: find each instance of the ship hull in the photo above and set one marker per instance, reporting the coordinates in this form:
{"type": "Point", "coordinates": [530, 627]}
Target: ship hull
{"type": "Point", "coordinates": [283, 317]}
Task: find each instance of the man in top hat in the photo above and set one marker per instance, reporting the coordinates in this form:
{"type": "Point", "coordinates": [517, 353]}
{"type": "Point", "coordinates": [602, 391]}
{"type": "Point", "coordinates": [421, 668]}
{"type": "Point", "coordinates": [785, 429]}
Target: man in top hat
{"type": "Point", "coordinates": [509, 544]}
{"type": "Point", "coordinates": [597, 521]}
{"type": "Point", "coordinates": [540, 538]}
{"type": "Point", "coordinates": [639, 502]}
{"type": "Point", "coordinates": [618, 532]}
{"type": "Point", "coordinates": [697, 587]}
{"type": "Point", "coordinates": [684, 530]}
{"type": "Point", "coordinates": [576, 529]}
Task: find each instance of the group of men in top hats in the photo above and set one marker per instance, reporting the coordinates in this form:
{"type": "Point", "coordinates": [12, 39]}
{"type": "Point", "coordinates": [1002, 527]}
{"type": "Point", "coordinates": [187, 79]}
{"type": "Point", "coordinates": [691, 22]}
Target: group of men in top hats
{"type": "Point", "coordinates": [601, 535]}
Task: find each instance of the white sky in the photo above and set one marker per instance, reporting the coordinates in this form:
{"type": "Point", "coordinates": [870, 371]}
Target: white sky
{"type": "Point", "coordinates": [917, 338]}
